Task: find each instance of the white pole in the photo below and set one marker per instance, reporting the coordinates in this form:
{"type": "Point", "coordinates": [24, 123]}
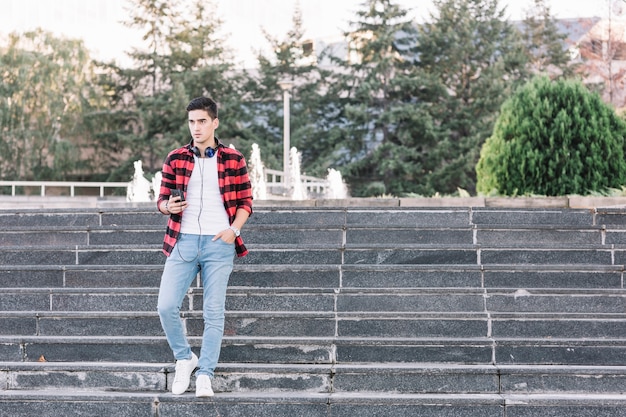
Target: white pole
{"type": "Point", "coordinates": [286, 140]}
{"type": "Point", "coordinates": [286, 85]}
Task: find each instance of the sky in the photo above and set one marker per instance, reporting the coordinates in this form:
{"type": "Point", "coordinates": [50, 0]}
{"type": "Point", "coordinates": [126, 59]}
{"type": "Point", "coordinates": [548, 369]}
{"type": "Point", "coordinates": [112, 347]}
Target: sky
{"type": "Point", "coordinates": [98, 22]}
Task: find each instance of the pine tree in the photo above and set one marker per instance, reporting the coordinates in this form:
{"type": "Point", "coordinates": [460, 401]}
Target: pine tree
{"type": "Point", "coordinates": [387, 127]}
{"type": "Point", "coordinates": [184, 58]}
{"type": "Point", "coordinates": [478, 58]}
{"type": "Point", "coordinates": [264, 99]}
{"type": "Point", "coordinates": [313, 105]}
{"type": "Point", "coordinates": [545, 43]}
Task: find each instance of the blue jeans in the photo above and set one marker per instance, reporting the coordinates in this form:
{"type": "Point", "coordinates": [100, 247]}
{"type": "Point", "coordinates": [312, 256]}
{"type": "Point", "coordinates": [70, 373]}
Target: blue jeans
{"type": "Point", "coordinates": [192, 254]}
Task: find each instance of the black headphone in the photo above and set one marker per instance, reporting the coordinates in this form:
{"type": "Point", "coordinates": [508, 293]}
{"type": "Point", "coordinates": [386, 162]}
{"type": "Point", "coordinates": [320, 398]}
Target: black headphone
{"type": "Point", "coordinates": [208, 152]}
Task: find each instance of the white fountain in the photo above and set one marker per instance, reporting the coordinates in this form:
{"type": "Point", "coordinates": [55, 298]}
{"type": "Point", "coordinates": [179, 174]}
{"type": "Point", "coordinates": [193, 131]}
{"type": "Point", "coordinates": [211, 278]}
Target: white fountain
{"type": "Point", "coordinates": [142, 190]}
{"type": "Point", "coordinates": [138, 189]}
{"type": "Point", "coordinates": [256, 171]}
{"type": "Point", "coordinates": [156, 184]}
{"type": "Point", "coordinates": [295, 187]}
{"type": "Point", "coordinates": [336, 187]}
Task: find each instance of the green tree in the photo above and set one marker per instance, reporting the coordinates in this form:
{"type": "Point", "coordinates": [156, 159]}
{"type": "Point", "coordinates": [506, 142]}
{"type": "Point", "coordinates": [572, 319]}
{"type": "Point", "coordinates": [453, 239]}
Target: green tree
{"type": "Point", "coordinates": [292, 59]}
{"type": "Point", "coordinates": [264, 98]}
{"type": "Point", "coordinates": [46, 93]}
{"type": "Point", "coordinates": [201, 64]}
{"type": "Point", "coordinates": [553, 138]}
{"type": "Point", "coordinates": [184, 57]}
{"type": "Point", "coordinates": [546, 49]}
{"type": "Point", "coordinates": [386, 127]}
{"type": "Point", "coordinates": [478, 59]}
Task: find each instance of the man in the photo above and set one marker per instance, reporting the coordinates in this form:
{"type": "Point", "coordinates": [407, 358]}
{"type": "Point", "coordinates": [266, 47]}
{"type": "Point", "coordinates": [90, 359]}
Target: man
{"type": "Point", "coordinates": [202, 235]}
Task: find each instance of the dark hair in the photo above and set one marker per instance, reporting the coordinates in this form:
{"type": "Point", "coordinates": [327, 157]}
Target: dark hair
{"type": "Point", "coordinates": [203, 103]}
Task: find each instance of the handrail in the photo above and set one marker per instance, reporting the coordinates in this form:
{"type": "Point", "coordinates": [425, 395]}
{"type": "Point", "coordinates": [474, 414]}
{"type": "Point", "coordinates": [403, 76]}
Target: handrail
{"type": "Point", "coordinates": [305, 178]}
{"type": "Point", "coordinates": [311, 184]}
{"type": "Point", "coordinates": [72, 185]}
{"type": "Point", "coordinates": [273, 177]}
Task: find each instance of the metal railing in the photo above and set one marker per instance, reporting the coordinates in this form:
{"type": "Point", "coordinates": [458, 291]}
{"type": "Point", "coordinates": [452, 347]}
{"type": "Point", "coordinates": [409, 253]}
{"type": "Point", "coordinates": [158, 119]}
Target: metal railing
{"type": "Point", "coordinates": [312, 185]}
{"type": "Point", "coordinates": [69, 185]}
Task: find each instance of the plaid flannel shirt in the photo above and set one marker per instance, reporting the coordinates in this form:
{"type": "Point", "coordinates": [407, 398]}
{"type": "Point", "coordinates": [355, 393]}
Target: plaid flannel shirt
{"type": "Point", "coordinates": [233, 180]}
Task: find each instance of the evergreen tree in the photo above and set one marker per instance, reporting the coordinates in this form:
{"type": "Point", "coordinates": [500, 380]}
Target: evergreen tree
{"type": "Point", "coordinates": [203, 65]}
{"type": "Point", "coordinates": [478, 58]}
{"type": "Point", "coordinates": [184, 58]}
{"type": "Point", "coordinates": [265, 98]}
{"type": "Point", "coordinates": [545, 43]}
{"type": "Point", "coordinates": [554, 138]}
{"type": "Point", "coordinates": [387, 129]}
{"type": "Point", "coordinates": [311, 102]}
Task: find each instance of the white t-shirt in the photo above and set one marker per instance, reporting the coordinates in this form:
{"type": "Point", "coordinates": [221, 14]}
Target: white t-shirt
{"type": "Point", "coordinates": [205, 214]}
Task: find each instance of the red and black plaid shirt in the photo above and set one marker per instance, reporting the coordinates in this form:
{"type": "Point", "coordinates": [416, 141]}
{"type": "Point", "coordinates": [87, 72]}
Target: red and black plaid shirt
{"type": "Point", "coordinates": [233, 181]}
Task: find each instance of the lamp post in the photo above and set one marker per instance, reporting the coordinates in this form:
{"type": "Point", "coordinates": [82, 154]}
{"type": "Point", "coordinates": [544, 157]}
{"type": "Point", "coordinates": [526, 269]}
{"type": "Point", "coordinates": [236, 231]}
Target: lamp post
{"type": "Point", "coordinates": [286, 86]}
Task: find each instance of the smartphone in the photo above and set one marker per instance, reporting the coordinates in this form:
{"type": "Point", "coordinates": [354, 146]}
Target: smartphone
{"type": "Point", "coordinates": [178, 193]}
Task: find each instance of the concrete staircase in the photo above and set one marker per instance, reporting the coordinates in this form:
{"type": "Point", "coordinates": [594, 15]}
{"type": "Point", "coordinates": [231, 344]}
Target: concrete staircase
{"type": "Point", "coordinates": [336, 312]}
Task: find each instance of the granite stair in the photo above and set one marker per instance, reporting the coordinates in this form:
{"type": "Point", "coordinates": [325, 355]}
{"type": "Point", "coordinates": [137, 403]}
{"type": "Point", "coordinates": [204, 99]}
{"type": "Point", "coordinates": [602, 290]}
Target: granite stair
{"type": "Point", "coordinates": [337, 311]}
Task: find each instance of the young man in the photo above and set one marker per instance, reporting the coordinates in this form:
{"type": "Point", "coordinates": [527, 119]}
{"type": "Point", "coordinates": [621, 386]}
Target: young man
{"type": "Point", "coordinates": [202, 235]}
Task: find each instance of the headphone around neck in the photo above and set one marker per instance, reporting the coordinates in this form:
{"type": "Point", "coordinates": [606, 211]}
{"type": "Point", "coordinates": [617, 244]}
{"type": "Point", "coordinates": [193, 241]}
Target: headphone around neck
{"type": "Point", "coordinates": [208, 152]}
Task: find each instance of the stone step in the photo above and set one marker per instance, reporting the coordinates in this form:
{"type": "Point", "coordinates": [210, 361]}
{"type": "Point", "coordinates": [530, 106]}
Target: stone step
{"type": "Point", "coordinates": [292, 234]}
{"type": "Point", "coordinates": [149, 276]}
{"type": "Point", "coordinates": [516, 276]}
{"type": "Point", "coordinates": [83, 255]}
{"type": "Point", "coordinates": [398, 254]}
{"type": "Point", "coordinates": [557, 216]}
{"type": "Point", "coordinates": [331, 215]}
{"type": "Point", "coordinates": [327, 276]}
{"type": "Point", "coordinates": [71, 236]}
{"type": "Point", "coordinates": [64, 237]}
{"type": "Point", "coordinates": [317, 324]}
{"type": "Point", "coordinates": [455, 276]}
{"type": "Point", "coordinates": [50, 218]}
{"type": "Point", "coordinates": [512, 351]}
{"type": "Point", "coordinates": [553, 276]}
{"type": "Point", "coordinates": [558, 325]}
{"type": "Point", "coordinates": [56, 376]}
{"type": "Point", "coordinates": [80, 276]}
{"type": "Point", "coordinates": [292, 350]}
{"type": "Point", "coordinates": [329, 255]}
{"type": "Point", "coordinates": [542, 235]}
{"type": "Point", "coordinates": [480, 379]}
{"type": "Point", "coordinates": [321, 216]}
{"type": "Point", "coordinates": [341, 300]}
{"type": "Point", "coordinates": [325, 350]}
{"type": "Point", "coordinates": [124, 404]}
{"type": "Point", "coordinates": [611, 216]}
{"type": "Point", "coordinates": [328, 378]}
{"type": "Point", "coordinates": [336, 311]}
{"type": "Point", "coordinates": [262, 324]}
{"type": "Point", "coordinates": [329, 324]}
{"type": "Point", "coordinates": [434, 254]}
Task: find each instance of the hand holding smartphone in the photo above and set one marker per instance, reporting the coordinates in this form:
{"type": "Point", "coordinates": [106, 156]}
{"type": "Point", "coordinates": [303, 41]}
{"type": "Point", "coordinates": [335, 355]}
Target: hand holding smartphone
{"type": "Point", "coordinates": [178, 193]}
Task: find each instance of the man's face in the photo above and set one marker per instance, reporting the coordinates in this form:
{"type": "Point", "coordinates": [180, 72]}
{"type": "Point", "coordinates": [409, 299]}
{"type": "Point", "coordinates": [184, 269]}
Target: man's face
{"type": "Point", "coordinates": [202, 127]}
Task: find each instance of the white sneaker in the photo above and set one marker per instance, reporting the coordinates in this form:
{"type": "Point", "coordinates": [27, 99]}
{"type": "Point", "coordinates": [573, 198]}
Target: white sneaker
{"type": "Point", "coordinates": [203, 386]}
{"type": "Point", "coordinates": [184, 369]}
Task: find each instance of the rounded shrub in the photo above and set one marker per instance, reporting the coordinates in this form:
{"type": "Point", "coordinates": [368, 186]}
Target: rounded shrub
{"type": "Point", "coordinates": [553, 138]}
